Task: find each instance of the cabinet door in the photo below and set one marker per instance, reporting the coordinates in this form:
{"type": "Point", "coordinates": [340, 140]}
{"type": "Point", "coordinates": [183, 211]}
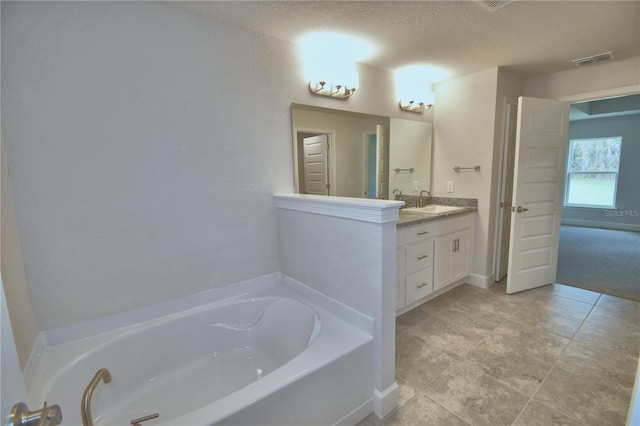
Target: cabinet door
{"type": "Point", "coordinates": [461, 264]}
{"type": "Point", "coordinates": [400, 287]}
{"type": "Point", "coordinates": [443, 253]}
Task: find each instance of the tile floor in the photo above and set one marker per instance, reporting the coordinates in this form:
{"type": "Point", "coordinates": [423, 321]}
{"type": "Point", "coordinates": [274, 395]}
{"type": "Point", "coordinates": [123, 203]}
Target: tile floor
{"type": "Point", "coordinates": [555, 355]}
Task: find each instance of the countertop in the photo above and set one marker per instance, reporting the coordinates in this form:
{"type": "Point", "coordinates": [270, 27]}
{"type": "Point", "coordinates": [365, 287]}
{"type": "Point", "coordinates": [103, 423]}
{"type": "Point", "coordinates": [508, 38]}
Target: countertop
{"type": "Point", "coordinates": [414, 218]}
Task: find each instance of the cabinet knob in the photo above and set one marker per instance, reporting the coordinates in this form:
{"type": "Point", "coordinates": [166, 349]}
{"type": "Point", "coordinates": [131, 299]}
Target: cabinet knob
{"type": "Point", "coordinates": [421, 285]}
{"type": "Point", "coordinates": [423, 256]}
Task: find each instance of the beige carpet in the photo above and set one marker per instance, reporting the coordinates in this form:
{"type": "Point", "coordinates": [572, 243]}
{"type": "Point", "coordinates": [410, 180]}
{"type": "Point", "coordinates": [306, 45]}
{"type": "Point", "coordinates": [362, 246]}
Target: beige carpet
{"type": "Point", "coordinates": [602, 260]}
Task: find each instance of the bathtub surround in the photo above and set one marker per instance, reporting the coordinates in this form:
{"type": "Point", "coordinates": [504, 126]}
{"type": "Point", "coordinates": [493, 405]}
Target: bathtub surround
{"type": "Point", "coordinates": [345, 249]}
{"type": "Point", "coordinates": [267, 351]}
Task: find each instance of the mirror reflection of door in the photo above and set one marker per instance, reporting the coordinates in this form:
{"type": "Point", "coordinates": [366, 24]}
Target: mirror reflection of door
{"type": "Point", "coordinates": [315, 165]}
{"type": "Point", "coordinates": [382, 162]}
{"type": "Point", "coordinates": [376, 165]}
{"type": "Point", "coordinates": [371, 147]}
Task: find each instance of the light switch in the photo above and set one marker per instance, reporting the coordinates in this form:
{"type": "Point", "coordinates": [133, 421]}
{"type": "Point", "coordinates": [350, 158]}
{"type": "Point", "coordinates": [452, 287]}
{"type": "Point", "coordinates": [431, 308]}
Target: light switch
{"type": "Point", "coordinates": [449, 186]}
{"type": "Point", "coordinates": [416, 185]}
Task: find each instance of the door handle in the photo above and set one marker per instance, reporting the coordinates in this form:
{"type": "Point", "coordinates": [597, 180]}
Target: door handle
{"type": "Point", "coordinates": [520, 209]}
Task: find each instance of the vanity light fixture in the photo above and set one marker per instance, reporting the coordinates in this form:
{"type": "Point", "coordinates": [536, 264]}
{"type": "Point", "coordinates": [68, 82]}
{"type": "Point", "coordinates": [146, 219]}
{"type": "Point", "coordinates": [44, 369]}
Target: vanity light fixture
{"type": "Point", "coordinates": [328, 89]}
{"type": "Point", "coordinates": [412, 106]}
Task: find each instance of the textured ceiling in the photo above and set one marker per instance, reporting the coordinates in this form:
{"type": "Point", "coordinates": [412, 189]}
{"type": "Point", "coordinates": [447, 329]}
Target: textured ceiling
{"type": "Point", "coordinates": [529, 37]}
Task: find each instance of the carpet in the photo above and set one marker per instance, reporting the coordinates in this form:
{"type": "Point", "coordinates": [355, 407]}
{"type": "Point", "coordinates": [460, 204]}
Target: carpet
{"type": "Point", "coordinates": [602, 260]}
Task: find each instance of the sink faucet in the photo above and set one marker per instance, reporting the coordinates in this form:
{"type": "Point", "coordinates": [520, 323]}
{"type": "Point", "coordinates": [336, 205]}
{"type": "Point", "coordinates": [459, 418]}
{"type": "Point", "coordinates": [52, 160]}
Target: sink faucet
{"type": "Point", "coordinates": [421, 201]}
{"type": "Point", "coordinates": [85, 408]}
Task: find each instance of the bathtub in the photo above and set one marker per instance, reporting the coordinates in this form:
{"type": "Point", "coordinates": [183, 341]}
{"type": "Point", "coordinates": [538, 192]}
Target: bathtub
{"type": "Point", "coordinates": [270, 356]}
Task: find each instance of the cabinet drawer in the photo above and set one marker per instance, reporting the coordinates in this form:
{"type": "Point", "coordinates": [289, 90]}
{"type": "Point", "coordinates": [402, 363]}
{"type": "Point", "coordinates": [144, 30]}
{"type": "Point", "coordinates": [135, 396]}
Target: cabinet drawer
{"type": "Point", "coordinates": [419, 256]}
{"type": "Point", "coordinates": [446, 226]}
{"type": "Point", "coordinates": [419, 232]}
{"type": "Point", "coordinates": [419, 285]}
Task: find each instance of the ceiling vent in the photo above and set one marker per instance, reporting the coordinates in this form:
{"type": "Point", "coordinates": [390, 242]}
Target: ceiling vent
{"type": "Point", "coordinates": [595, 59]}
{"type": "Point", "coordinates": [494, 4]}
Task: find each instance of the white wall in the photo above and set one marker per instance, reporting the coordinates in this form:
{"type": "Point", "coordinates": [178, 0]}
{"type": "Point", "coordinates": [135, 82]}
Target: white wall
{"type": "Point", "coordinates": [143, 156]}
{"type": "Point", "coordinates": [464, 135]}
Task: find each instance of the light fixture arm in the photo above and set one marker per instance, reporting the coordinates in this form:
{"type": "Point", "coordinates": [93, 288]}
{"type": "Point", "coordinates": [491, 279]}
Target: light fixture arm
{"type": "Point", "coordinates": [411, 106]}
{"type": "Point", "coordinates": [330, 90]}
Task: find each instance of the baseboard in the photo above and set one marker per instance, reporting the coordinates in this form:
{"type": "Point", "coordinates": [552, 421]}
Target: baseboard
{"type": "Point", "coordinates": [481, 281]}
{"type": "Point", "coordinates": [357, 415]}
{"type": "Point", "coordinates": [384, 402]}
{"type": "Point", "coordinates": [604, 225]}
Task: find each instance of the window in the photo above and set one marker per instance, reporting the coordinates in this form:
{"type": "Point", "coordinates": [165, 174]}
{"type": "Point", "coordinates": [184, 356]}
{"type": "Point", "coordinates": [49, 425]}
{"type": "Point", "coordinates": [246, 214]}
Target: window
{"type": "Point", "coordinates": [592, 172]}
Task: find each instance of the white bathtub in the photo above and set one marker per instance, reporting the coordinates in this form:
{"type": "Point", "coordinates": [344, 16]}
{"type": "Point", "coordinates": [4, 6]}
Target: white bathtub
{"type": "Point", "coordinates": [267, 357]}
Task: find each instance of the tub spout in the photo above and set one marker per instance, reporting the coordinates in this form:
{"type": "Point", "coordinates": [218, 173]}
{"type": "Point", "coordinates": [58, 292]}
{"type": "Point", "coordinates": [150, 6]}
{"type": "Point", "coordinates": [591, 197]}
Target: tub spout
{"type": "Point", "coordinates": [85, 408]}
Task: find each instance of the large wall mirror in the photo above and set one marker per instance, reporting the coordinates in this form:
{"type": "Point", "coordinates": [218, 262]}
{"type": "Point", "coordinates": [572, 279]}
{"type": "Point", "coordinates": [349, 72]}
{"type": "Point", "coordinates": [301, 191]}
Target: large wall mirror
{"type": "Point", "coordinates": [350, 154]}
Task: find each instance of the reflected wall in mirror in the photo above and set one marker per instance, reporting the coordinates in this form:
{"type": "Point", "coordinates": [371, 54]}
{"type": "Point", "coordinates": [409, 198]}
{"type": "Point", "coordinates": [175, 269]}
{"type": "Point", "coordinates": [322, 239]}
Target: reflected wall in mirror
{"type": "Point", "coordinates": [350, 154]}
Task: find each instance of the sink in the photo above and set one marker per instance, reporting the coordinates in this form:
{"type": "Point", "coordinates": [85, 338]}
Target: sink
{"type": "Point", "coordinates": [434, 209]}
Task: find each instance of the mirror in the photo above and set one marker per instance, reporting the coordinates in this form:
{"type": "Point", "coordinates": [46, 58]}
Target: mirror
{"type": "Point", "coordinates": [351, 154]}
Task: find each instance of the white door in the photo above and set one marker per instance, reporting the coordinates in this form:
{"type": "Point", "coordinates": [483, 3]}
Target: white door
{"type": "Point", "coordinates": [12, 386]}
{"type": "Point", "coordinates": [506, 191]}
{"type": "Point", "coordinates": [538, 188]}
{"type": "Point", "coordinates": [315, 165]}
{"type": "Point", "coordinates": [382, 166]}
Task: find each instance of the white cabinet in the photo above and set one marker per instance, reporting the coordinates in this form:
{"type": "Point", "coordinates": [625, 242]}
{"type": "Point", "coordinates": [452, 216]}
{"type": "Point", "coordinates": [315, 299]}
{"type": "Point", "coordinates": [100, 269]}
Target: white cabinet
{"type": "Point", "coordinates": [452, 257]}
{"type": "Point", "coordinates": [414, 260]}
{"type": "Point", "coordinates": [431, 256]}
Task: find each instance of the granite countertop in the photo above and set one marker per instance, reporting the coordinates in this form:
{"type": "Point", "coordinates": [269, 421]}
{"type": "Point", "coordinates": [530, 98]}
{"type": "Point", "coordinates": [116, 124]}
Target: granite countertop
{"type": "Point", "coordinates": [414, 218]}
{"type": "Point", "coordinates": [408, 218]}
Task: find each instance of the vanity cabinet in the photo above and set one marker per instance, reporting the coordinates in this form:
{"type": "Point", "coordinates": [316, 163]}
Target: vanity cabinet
{"type": "Point", "coordinates": [414, 260]}
{"type": "Point", "coordinates": [452, 258]}
{"type": "Point", "coordinates": [431, 256]}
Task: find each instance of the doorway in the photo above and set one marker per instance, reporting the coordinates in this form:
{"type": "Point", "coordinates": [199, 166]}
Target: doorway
{"type": "Point", "coordinates": [506, 174]}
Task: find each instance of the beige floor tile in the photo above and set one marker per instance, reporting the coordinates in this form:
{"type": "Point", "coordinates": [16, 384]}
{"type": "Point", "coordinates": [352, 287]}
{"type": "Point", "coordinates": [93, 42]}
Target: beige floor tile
{"type": "Point", "coordinates": [575, 293]}
{"type": "Point", "coordinates": [422, 410]}
{"type": "Point", "coordinates": [560, 305]}
{"type": "Point", "coordinates": [448, 337]}
{"type": "Point", "coordinates": [621, 340]}
{"type": "Point", "coordinates": [604, 314]}
{"type": "Point", "coordinates": [475, 356]}
{"type": "Point", "coordinates": [466, 315]}
{"type": "Point", "coordinates": [536, 414]}
{"type": "Point", "coordinates": [619, 304]}
{"type": "Point", "coordinates": [493, 304]}
{"type": "Point", "coordinates": [519, 371]}
{"type": "Point", "coordinates": [581, 397]}
{"type": "Point", "coordinates": [601, 361]}
{"type": "Point", "coordinates": [512, 339]}
{"type": "Point", "coordinates": [409, 319]}
{"type": "Point", "coordinates": [418, 363]}
{"type": "Point", "coordinates": [465, 390]}
{"type": "Point", "coordinates": [538, 317]}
